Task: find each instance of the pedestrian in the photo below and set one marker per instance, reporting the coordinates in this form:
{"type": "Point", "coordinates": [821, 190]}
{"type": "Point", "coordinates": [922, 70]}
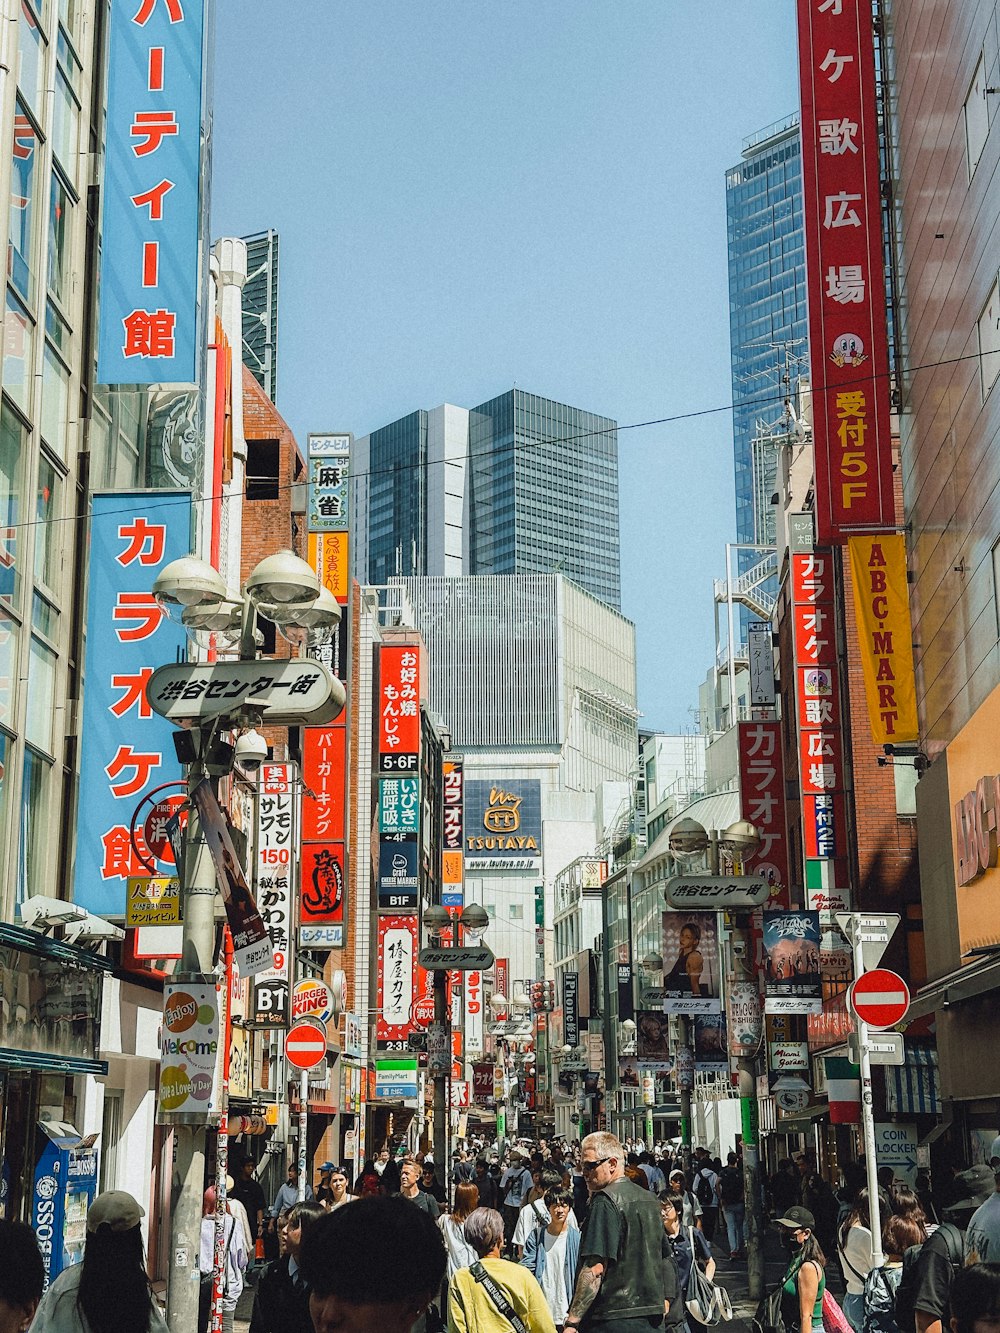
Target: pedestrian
{"type": "Point", "coordinates": [706, 1191]}
{"type": "Point", "coordinates": [492, 1292]}
{"type": "Point", "coordinates": [881, 1284]}
{"type": "Point", "coordinates": [922, 1189]}
{"type": "Point", "coordinates": [634, 1171]}
{"type": "Point", "coordinates": [655, 1178]}
{"type": "Point", "coordinates": [109, 1291]}
{"type": "Point", "coordinates": [688, 1246]}
{"type": "Point", "coordinates": [854, 1249]}
{"type": "Point", "coordinates": [429, 1183]}
{"type": "Point", "coordinates": [552, 1253]}
{"type": "Point", "coordinates": [367, 1182]}
{"type": "Point", "coordinates": [464, 1169]}
{"type": "Point", "coordinates": [281, 1302]}
{"type": "Point", "coordinates": [22, 1276]}
{"type": "Point", "coordinates": [323, 1188]}
{"type": "Point", "coordinates": [975, 1299]}
{"type": "Point", "coordinates": [620, 1278]}
{"type": "Point", "coordinates": [730, 1191]}
{"type": "Point", "coordinates": [287, 1194]}
{"type": "Point", "coordinates": [234, 1262]}
{"type": "Point", "coordinates": [905, 1203]}
{"type": "Point", "coordinates": [372, 1269]}
{"type": "Point", "coordinates": [786, 1187]}
{"type": "Point", "coordinates": [235, 1206]}
{"type": "Point", "coordinates": [460, 1252]}
{"type": "Point", "coordinates": [535, 1213]}
{"type": "Point", "coordinates": [248, 1191]}
{"type": "Point", "coordinates": [804, 1282]}
{"type": "Point", "coordinates": [514, 1186]}
{"type": "Point", "coordinates": [982, 1238]}
{"type": "Point", "coordinates": [409, 1187]}
{"type": "Point", "coordinates": [339, 1192]}
{"type": "Point", "coordinates": [693, 1213]}
{"type": "Point", "coordinates": [485, 1184]}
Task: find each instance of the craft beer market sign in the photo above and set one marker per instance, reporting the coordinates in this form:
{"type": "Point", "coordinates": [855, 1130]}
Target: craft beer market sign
{"type": "Point", "coordinates": [503, 824]}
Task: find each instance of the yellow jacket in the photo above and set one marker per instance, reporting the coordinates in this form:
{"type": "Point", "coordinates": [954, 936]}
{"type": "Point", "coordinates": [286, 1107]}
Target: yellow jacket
{"type": "Point", "coordinates": [470, 1309]}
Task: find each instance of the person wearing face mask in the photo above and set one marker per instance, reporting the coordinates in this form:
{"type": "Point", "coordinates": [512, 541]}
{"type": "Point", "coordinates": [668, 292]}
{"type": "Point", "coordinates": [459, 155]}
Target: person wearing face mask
{"type": "Point", "coordinates": [373, 1268]}
{"type": "Point", "coordinates": [804, 1282]}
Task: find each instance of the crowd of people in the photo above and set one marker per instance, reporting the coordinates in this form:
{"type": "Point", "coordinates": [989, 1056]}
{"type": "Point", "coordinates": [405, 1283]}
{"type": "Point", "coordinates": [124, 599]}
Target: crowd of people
{"type": "Point", "coordinates": [599, 1236]}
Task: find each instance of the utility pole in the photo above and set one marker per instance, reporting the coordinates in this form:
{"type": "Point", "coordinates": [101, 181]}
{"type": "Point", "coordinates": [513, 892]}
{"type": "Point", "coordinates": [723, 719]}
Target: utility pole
{"type": "Point", "coordinates": [741, 969]}
{"type": "Point", "coordinates": [197, 958]}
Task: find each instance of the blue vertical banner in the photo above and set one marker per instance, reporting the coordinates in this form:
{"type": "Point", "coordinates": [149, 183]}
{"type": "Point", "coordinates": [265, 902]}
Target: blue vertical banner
{"type": "Point", "coordinates": [126, 748]}
{"type": "Point", "coordinates": [148, 330]}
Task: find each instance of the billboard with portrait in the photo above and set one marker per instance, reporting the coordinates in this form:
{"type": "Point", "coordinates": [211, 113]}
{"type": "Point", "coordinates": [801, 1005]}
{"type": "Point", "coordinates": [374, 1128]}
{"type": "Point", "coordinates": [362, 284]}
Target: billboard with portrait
{"type": "Point", "coordinates": [793, 982]}
{"type": "Point", "coordinates": [653, 1040]}
{"type": "Point", "coordinates": [691, 963]}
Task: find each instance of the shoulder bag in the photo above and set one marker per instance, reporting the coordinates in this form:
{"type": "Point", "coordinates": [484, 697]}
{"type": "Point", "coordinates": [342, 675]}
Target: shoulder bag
{"type": "Point", "coordinates": [702, 1299]}
{"type": "Point", "coordinates": [499, 1300]}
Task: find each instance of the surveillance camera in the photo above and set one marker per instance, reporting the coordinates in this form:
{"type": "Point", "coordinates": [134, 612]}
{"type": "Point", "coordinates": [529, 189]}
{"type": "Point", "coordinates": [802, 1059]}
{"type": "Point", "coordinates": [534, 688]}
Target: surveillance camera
{"type": "Point", "coordinates": [251, 750]}
{"type": "Point", "coordinates": [91, 930]}
{"type": "Point", "coordinates": [41, 912]}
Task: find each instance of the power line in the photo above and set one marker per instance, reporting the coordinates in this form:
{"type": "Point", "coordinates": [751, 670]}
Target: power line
{"type": "Point", "coordinates": [524, 445]}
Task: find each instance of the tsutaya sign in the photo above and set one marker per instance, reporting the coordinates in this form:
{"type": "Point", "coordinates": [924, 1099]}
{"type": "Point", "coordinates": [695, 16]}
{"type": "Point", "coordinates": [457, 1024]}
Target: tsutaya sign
{"type": "Point", "coordinates": [503, 824]}
{"type": "Point", "coordinates": [976, 829]}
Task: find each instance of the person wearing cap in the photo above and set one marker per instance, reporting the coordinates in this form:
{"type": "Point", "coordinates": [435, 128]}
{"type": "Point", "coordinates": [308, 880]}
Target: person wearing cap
{"type": "Point", "coordinates": [109, 1291]}
{"type": "Point", "coordinates": [804, 1282]}
{"type": "Point", "coordinates": [982, 1238]}
{"type": "Point", "coordinates": [323, 1193]}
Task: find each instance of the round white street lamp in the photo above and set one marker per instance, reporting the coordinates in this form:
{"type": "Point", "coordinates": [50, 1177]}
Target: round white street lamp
{"type": "Point", "coordinates": [187, 582]}
{"type": "Point", "coordinates": [284, 580]}
{"type": "Point", "coordinates": [498, 1001]}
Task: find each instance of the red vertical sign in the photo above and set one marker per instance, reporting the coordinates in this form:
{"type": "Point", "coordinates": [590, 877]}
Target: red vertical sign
{"type": "Point", "coordinates": [399, 699]}
{"type": "Point", "coordinates": [501, 982]}
{"type": "Point", "coordinates": [762, 798]}
{"type": "Point", "coordinates": [848, 341]}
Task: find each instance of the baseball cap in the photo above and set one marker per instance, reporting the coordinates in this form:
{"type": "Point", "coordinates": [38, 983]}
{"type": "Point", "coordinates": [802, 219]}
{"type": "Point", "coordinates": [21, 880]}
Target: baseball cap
{"type": "Point", "coordinates": [327, 1166]}
{"type": "Point", "coordinates": [973, 1187]}
{"type": "Point", "coordinates": [797, 1217]}
{"type": "Point", "coordinates": [115, 1209]}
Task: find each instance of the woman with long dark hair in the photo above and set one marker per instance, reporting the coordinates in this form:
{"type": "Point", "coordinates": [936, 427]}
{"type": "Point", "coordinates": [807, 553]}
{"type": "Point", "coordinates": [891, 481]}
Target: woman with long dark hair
{"type": "Point", "coordinates": [804, 1282]}
{"type": "Point", "coordinates": [854, 1249]}
{"type": "Point", "coordinates": [109, 1291]}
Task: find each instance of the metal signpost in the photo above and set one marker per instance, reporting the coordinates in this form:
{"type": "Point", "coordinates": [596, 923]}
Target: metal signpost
{"type": "Point", "coordinates": [305, 1048]}
{"type": "Point", "coordinates": [880, 1000]}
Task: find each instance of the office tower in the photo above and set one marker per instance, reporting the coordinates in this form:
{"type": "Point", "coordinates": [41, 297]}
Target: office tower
{"type": "Point", "coordinates": [518, 485]}
{"type": "Point", "coordinates": [260, 311]}
{"type": "Point", "coordinates": [767, 303]}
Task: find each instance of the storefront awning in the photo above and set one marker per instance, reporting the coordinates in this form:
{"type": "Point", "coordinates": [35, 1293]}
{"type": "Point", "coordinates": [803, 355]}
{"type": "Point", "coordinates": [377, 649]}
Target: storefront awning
{"type": "Point", "coordinates": [712, 812]}
{"type": "Point", "coordinates": [967, 983]}
{"type": "Point", "coordinates": [912, 1088]}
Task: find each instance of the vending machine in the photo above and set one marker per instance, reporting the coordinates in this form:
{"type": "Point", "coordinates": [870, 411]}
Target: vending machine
{"type": "Point", "coordinates": [64, 1188]}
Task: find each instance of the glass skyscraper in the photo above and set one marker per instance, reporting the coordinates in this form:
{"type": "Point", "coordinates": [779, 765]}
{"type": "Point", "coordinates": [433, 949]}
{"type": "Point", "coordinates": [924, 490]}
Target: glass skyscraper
{"type": "Point", "coordinates": [260, 311]}
{"type": "Point", "coordinates": [767, 307]}
{"type": "Point", "coordinates": [543, 492]}
{"type": "Point", "coordinates": [518, 485]}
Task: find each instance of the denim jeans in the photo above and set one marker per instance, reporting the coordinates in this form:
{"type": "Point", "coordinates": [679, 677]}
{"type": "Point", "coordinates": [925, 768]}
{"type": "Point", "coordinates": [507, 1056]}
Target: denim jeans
{"type": "Point", "coordinates": [734, 1225]}
{"type": "Point", "coordinates": [854, 1309]}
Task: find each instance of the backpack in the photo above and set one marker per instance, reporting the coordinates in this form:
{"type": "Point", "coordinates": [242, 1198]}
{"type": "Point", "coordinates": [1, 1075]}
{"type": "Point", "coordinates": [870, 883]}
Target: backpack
{"type": "Point", "coordinates": [768, 1317]}
{"type": "Point", "coordinates": [703, 1190]}
{"type": "Point", "coordinates": [731, 1182]}
{"type": "Point", "coordinates": [904, 1309]}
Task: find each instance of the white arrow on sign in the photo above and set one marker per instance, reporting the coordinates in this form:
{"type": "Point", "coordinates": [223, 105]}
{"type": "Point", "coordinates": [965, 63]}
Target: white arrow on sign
{"type": "Point", "coordinates": [872, 930]}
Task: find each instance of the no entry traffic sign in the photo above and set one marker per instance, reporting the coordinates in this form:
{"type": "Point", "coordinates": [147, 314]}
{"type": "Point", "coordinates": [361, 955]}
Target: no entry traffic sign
{"type": "Point", "coordinates": [879, 998]}
{"type": "Point", "coordinates": [305, 1045]}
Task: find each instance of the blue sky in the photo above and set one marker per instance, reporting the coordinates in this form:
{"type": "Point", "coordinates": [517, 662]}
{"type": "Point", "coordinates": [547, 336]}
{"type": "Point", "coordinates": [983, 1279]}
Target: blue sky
{"type": "Point", "coordinates": [471, 195]}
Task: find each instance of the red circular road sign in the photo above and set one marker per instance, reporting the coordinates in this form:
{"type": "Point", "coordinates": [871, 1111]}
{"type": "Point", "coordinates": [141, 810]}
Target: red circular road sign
{"type": "Point", "coordinates": [880, 998]}
{"type": "Point", "coordinates": [305, 1045]}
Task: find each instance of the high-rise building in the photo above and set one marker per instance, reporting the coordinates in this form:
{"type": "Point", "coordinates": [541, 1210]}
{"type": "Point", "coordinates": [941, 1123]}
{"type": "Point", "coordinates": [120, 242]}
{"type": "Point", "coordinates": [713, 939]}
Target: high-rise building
{"type": "Point", "coordinates": [260, 311]}
{"type": "Point", "coordinates": [518, 485]}
{"type": "Point", "coordinates": [767, 304]}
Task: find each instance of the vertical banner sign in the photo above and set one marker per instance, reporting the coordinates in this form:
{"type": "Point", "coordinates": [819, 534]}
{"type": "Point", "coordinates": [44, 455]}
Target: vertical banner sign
{"type": "Point", "coordinates": [126, 748]}
{"type": "Point", "coordinates": [329, 517]}
{"type": "Point", "coordinates": [762, 802]}
{"type": "Point", "coordinates": [148, 330]}
{"type": "Point", "coordinates": [275, 869]}
{"type": "Point", "coordinates": [823, 780]}
{"type": "Point", "coordinates": [452, 894]}
{"type": "Point", "coordinates": [848, 342]}
{"type": "Point", "coordinates": [251, 943]}
{"type": "Point", "coordinates": [878, 573]}
{"type": "Point", "coordinates": [571, 1012]}
{"type": "Point", "coordinates": [323, 885]}
{"type": "Point", "coordinates": [473, 1011]}
{"type": "Point", "coordinates": [399, 802]}
{"type": "Point", "coordinates": [626, 1006]}
{"type": "Point", "coordinates": [396, 980]}
{"type": "Point", "coordinates": [501, 984]}
{"type": "Point", "coordinates": [760, 652]}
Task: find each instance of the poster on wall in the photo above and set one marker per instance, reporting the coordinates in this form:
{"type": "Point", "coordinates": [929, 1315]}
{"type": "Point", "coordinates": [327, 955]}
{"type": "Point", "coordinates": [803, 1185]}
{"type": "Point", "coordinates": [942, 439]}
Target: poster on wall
{"type": "Point", "coordinates": [793, 981]}
{"type": "Point", "coordinates": [710, 1054]}
{"type": "Point", "coordinates": [653, 1041]}
{"type": "Point", "coordinates": [691, 963]}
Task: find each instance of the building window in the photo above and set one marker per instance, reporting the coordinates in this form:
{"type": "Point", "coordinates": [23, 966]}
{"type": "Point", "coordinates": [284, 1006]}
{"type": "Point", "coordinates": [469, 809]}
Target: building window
{"type": "Point", "coordinates": [977, 117]}
{"type": "Point", "coordinates": [13, 443]}
{"type": "Point", "coordinates": [41, 696]}
{"type": "Point", "coordinates": [18, 354]}
{"type": "Point", "coordinates": [989, 340]}
{"type": "Point", "coordinates": [516, 912]}
{"type": "Point", "coordinates": [47, 545]}
{"type": "Point", "coordinates": [55, 403]}
{"type": "Point", "coordinates": [263, 463]}
{"type": "Point", "coordinates": [36, 833]}
{"type": "Point", "coordinates": [60, 205]}
{"type": "Point", "coordinates": [66, 112]}
{"type": "Point", "coordinates": [30, 60]}
{"type": "Point", "coordinates": [20, 259]}
{"type": "Point", "coordinates": [8, 678]}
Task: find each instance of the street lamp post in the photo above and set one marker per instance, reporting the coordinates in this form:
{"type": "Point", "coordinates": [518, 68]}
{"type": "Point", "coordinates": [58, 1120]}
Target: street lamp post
{"type": "Point", "coordinates": [287, 590]}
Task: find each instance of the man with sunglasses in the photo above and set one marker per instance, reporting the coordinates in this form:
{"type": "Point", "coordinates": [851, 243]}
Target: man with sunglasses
{"type": "Point", "coordinates": [625, 1275]}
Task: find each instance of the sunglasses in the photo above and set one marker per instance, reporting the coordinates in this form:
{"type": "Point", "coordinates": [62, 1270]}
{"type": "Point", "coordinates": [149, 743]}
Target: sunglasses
{"type": "Point", "coordinates": [592, 1166]}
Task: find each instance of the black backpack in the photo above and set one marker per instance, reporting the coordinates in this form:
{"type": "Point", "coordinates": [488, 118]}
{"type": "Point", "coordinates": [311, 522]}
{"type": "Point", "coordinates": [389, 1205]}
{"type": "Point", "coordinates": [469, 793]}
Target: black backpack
{"type": "Point", "coordinates": [768, 1317]}
{"type": "Point", "coordinates": [703, 1190]}
{"type": "Point", "coordinates": [905, 1310]}
{"type": "Point", "coordinates": [731, 1182]}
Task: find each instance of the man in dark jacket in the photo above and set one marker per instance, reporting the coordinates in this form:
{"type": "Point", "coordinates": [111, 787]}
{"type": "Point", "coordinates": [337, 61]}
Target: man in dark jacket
{"type": "Point", "coordinates": [486, 1185]}
{"type": "Point", "coordinates": [622, 1282]}
{"type": "Point", "coordinates": [281, 1304]}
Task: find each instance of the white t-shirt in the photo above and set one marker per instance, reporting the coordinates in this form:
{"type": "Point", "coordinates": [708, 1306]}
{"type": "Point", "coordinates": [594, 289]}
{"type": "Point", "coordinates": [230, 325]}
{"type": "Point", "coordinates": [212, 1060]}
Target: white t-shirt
{"type": "Point", "coordinates": [460, 1252]}
{"type": "Point", "coordinates": [554, 1278]}
{"type": "Point", "coordinates": [528, 1219]}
